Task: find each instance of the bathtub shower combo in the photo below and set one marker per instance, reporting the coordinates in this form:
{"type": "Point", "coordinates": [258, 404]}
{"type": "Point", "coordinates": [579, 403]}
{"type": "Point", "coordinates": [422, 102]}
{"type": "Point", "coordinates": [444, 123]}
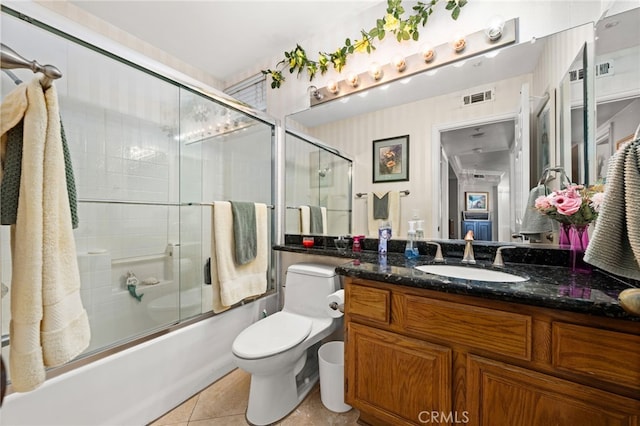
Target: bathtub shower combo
{"type": "Point", "coordinates": [150, 154]}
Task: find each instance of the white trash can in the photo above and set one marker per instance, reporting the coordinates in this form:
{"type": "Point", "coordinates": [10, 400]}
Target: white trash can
{"type": "Point", "coordinates": [331, 364]}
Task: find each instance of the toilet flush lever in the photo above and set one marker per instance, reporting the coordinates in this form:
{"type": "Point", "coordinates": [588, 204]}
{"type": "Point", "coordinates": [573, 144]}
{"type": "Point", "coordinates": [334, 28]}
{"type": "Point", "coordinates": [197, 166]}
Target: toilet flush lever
{"type": "Point", "coordinates": [337, 307]}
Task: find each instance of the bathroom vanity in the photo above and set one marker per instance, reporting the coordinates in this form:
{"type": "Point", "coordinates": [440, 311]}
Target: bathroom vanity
{"type": "Point", "coordinates": [426, 349]}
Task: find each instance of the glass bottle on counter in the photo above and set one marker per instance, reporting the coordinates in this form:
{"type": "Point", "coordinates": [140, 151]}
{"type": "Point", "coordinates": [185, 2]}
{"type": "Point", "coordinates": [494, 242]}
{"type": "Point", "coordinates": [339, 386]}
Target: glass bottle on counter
{"type": "Point", "coordinates": [411, 249]}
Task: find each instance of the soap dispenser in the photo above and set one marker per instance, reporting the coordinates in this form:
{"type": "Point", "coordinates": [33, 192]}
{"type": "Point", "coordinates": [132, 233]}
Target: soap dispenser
{"type": "Point", "coordinates": [411, 249]}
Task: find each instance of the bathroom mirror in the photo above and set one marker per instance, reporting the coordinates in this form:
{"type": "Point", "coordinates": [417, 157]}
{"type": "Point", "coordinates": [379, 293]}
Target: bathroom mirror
{"type": "Point", "coordinates": [318, 181]}
{"type": "Point", "coordinates": [515, 90]}
{"type": "Point", "coordinates": [617, 84]}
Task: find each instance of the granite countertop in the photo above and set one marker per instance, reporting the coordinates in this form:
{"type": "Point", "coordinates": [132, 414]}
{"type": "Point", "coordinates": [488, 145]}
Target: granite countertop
{"type": "Point", "coordinates": [550, 283]}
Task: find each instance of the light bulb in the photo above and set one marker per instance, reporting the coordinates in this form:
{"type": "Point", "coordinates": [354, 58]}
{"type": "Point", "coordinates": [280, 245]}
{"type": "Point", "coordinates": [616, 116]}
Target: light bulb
{"type": "Point", "coordinates": [458, 43]}
{"type": "Point", "coordinates": [494, 28]}
{"type": "Point", "coordinates": [332, 86]}
{"type": "Point", "coordinates": [353, 80]}
{"type": "Point", "coordinates": [399, 63]}
{"type": "Point", "coordinates": [375, 71]}
{"type": "Point", "coordinates": [428, 54]}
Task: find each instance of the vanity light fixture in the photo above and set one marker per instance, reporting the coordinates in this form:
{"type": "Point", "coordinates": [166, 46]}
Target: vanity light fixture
{"type": "Point", "coordinates": [375, 71]}
{"type": "Point", "coordinates": [494, 28]}
{"type": "Point", "coordinates": [458, 43]}
{"type": "Point", "coordinates": [399, 63]}
{"type": "Point", "coordinates": [333, 87]}
{"type": "Point", "coordinates": [426, 60]}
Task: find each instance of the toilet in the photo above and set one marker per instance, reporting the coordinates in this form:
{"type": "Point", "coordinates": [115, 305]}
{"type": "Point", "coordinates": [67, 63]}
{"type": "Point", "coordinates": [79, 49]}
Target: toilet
{"type": "Point", "coordinates": [280, 351]}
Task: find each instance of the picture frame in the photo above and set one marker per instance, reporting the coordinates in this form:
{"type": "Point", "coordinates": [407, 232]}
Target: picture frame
{"type": "Point", "coordinates": [390, 161]}
{"type": "Point", "coordinates": [477, 201]}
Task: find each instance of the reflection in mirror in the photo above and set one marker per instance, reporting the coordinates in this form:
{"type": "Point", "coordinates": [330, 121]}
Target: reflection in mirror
{"type": "Point", "coordinates": [516, 89]}
{"type": "Point", "coordinates": [318, 190]}
{"type": "Point", "coordinates": [617, 84]}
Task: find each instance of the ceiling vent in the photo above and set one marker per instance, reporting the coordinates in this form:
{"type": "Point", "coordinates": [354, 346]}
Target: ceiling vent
{"type": "Point", "coordinates": [479, 97]}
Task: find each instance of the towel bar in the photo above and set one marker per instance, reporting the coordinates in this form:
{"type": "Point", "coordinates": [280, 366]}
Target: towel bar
{"type": "Point", "coordinates": [362, 194]}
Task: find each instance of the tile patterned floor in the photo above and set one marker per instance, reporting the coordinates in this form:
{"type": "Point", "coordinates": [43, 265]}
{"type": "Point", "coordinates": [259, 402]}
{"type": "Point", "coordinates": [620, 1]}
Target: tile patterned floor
{"type": "Point", "coordinates": [224, 404]}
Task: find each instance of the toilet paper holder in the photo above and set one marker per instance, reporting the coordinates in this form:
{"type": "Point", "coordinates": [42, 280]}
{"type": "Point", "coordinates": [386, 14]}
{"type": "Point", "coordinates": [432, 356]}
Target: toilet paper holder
{"type": "Point", "coordinates": [337, 307]}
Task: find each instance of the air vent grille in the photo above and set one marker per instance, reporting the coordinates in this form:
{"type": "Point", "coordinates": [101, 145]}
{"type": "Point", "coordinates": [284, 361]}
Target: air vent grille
{"type": "Point", "coordinates": [603, 69]}
{"type": "Point", "coordinates": [479, 97]}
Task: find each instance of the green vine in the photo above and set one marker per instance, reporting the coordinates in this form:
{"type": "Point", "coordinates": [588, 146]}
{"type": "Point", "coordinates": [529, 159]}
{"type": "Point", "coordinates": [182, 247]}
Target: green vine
{"type": "Point", "coordinates": [403, 29]}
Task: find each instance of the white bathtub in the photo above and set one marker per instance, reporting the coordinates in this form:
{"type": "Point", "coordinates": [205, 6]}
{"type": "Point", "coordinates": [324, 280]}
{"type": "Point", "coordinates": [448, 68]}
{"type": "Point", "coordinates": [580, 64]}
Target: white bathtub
{"type": "Point", "coordinates": [140, 384]}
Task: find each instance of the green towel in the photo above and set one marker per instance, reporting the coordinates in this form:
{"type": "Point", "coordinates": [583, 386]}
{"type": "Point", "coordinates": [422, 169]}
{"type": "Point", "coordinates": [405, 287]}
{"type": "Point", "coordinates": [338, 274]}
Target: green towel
{"type": "Point", "coordinates": [10, 186]}
{"type": "Point", "coordinates": [244, 231]}
{"type": "Point", "coordinates": [315, 219]}
{"type": "Point", "coordinates": [381, 206]}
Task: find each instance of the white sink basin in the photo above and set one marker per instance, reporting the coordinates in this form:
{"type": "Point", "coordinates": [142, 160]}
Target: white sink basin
{"type": "Point", "coordinates": [471, 273]}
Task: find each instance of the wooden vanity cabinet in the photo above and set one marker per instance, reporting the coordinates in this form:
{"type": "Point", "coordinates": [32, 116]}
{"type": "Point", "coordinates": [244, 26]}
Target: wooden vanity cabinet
{"type": "Point", "coordinates": [415, 357]}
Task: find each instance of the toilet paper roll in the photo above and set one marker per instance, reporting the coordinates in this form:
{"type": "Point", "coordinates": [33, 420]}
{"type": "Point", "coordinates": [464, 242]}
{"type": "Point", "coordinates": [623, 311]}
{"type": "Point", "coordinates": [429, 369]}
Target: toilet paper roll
{"type": "Point", "coordinates": [338, 298]}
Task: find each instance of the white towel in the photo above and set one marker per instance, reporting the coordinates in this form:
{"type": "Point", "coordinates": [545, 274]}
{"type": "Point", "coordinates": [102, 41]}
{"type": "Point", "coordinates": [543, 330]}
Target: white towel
{"type": "Point", "coordinates": [394, 213]}
{"type": "Point", "coordinates": [49, 325]}
{"type": "Point", "coordinates": [305, 220]}
{"type": "Point", "coordinates": [233, 283]}
{"type": "Point", "coordinates": [615, 245]}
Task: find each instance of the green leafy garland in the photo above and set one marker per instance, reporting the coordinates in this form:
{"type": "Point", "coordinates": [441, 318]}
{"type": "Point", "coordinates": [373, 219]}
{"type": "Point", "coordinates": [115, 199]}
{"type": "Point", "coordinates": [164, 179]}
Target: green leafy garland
{"type": "Point", "coordinates": [404, 29]}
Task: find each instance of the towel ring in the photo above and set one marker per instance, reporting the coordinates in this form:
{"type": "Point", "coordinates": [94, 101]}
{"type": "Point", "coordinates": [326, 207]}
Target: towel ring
{"type": "Point", "coordinates": [546, 176]}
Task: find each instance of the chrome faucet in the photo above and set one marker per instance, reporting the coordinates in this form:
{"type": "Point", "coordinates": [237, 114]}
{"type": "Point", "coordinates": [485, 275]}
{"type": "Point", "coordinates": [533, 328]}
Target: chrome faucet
{"type": "Point", "coordinates": [497, 261]}
{"type": "Point", "coordinates": [468, 249]}
{"type": "Point", "coordinates": [438, 258]}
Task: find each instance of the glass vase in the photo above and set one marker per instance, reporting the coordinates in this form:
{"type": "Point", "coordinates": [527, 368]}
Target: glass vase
{"type": "Point", "coordinates": [578, 242]}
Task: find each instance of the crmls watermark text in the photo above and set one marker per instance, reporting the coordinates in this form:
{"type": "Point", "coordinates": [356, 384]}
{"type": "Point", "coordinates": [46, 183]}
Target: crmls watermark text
{"type": "Point", "coordinates": [436, 417]}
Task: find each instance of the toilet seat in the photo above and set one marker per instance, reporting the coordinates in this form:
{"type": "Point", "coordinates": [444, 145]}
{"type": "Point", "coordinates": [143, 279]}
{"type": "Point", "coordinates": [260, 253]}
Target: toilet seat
{"type": "Point", "coordinates": [271, 335]}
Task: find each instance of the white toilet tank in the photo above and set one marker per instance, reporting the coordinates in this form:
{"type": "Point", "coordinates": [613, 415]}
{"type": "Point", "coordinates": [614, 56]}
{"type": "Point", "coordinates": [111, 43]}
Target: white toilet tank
{"type": "Point", "coordinates": [307, 286]}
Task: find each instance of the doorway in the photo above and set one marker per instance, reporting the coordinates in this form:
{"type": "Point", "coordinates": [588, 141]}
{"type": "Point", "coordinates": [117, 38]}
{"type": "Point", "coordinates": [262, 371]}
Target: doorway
{"type": "Point", "coordinates": [478, 157]}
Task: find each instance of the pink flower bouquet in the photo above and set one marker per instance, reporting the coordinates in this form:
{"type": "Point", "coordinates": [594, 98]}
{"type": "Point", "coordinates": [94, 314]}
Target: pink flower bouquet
{"type": "Point", "coordinates": [575, 205]}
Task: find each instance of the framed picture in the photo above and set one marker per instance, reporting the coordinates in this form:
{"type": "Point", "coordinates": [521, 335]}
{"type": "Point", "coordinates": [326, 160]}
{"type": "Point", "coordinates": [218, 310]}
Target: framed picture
{"type": "Point", "coordinates": [391, 159]}
{"type": "Point", "coordinates": [477, 201]}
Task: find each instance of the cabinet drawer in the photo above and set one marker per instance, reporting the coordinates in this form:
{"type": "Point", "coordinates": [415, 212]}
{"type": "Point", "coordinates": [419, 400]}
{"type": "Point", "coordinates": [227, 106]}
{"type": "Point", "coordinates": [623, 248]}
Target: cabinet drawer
{"type": "Point", "coordinates": [481, 328]}
{"type": "Point", "coordinates": [369, 303]}
{"type": "Point", "coordinates": [601, 354]}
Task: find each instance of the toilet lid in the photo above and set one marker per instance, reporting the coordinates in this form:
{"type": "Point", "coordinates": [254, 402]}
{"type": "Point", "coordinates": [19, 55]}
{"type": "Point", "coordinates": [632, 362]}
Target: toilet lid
{"type": "Point", "coordinates": [271, 335]}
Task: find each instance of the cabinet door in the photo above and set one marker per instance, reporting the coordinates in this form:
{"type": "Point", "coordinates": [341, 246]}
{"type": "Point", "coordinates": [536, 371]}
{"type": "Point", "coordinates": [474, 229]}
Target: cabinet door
{"type": "Point", "coordinates": [396, 379]}
{"type": "Point", "coordinates": [502, 394]}
{"type": "Point", "coordinates": [483, 228]}
{"type": "Point", "coordinates": [468, 225]}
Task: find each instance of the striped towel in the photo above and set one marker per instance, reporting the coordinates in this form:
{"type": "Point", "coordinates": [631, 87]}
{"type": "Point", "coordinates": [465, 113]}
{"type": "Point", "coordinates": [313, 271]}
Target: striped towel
{"type": "Point", "coordinates": [615, 246]}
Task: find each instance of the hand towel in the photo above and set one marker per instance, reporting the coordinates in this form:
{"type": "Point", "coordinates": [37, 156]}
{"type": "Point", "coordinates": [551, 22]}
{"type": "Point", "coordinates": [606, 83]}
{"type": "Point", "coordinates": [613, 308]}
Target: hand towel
{"type": "Point", "coordinates": [231, 283]}
{"type": "Point", "coordinates": [244, 231]}
{"type": "Point", "coordinates": [534, 222]}
{"type": "Point", "coordinates": [49, 325]}
{"type": "Point", "coordinates": [305, 220]}
{"type": "Point", "coordinates": [615, 245]}
{"type": "Point", "coordinates": [393, 217]}
{"type": "Point", "coordinates": [12, 169]}
{"type": "Point", "coordinates": [315, 213]}
{"type": "Point", "coordinates": [380, 206]}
